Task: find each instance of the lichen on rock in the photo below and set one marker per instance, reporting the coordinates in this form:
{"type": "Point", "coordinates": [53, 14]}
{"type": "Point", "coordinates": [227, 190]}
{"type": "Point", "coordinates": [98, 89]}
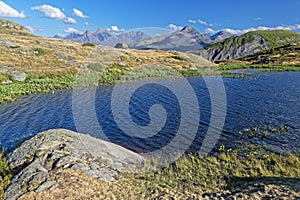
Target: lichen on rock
{"type": "Point", "coordinates": [52, 151]}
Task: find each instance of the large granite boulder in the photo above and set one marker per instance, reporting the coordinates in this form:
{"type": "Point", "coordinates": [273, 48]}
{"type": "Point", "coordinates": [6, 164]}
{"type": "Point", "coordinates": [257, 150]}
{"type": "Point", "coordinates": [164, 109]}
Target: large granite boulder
{"type": "Point", "coordinates": [52, 151]}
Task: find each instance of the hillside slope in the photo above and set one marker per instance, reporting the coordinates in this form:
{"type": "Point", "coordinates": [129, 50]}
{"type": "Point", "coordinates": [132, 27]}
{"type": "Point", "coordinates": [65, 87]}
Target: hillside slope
{"type": "Point", "coordinates": [247, 44]}
{"type": "Point", "coordinates": [287, 54]}
{"type": "Point", "coordinates": [21, 50]}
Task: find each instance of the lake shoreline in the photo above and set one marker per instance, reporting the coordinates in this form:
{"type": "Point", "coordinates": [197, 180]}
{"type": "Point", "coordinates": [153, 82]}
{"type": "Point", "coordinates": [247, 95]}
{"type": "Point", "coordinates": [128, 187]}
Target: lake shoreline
{"type": "Point", "coordinates": [223, 175]}
{"type": "Point", "coordinates": [53, 81]}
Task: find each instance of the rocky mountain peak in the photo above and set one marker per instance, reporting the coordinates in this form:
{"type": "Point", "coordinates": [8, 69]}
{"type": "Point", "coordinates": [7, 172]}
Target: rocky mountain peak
{"type": "Point", "coordinates": [98, 31]}
{"type": "Point", "coordinates": [88, 32]}
{"type": "Point", "coordinates": [188, 29]}
{"type": "Point", "coordinates": [221, 35]}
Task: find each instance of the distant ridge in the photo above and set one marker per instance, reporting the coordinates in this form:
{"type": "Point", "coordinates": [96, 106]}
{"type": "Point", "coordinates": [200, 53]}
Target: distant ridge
{"type": "Point", "coordinates": [104, 37]}
{"type": "Point", "coordinates": [186, 39]}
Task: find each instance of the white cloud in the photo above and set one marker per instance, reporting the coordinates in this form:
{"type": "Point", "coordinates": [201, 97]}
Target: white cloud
{"type": "Point", "coordinates": [70, 20]}
{"type": "Point", "coordinates": [34, 29]}
{"type": "Point", "coordinates": [7, 11]}
{"type": "Point", "coordinates": [204, 23]}
{"type": "Point", "coordinates": [86, 23]}
{"type": "Point", "coordinates": [174, 27]}
{"type": "Point", "coordinates": [115, 29]}
{"type": "Point", "coordinates": [210, 31]}
{"type": "Point", "coordinates": [258, 19]}
{"type": "Point", "coordinates": [54, 13]}
{"type": "Point", "coordinates": [79, 13]}
{"type": "Point", "coordinates": [242, 31]}
{"type": "Point", "coordinates": [192, 21]}
{"type": "Point", "coordinates": [71, 30]}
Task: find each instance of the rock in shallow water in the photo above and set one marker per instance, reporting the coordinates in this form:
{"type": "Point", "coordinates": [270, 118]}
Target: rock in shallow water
{"type": "Point", "coordinates": [45, 154]}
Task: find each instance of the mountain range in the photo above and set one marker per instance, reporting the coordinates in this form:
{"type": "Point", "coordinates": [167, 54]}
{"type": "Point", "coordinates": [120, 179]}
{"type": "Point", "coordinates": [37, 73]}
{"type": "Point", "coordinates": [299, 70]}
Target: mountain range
{"type": "Point", "coordinates": [186, 39]}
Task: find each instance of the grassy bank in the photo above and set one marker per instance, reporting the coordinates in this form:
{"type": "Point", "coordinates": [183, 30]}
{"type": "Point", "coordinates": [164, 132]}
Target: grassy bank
{"type": "Point", "coordinates": [190, 176]}
{"type": "Point", "coordinates": [57, 80]}
{"type": "Point", "coordinates": [42, 83]}
{"type": "Point", "coordinates": [260, 67]}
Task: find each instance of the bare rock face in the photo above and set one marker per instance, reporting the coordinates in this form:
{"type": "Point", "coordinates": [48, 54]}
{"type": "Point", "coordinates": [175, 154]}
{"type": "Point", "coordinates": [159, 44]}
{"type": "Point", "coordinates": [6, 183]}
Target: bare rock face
{"type": "Point", "coordinates": [231, 51]}
{"type": "Point", "coordinates": [250, 43]}
{"type": "Point", "coordinates": [52, 151]}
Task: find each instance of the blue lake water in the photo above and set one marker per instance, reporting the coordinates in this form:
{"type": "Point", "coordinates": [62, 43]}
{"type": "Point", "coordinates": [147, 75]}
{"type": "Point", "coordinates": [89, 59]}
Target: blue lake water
{"type": "Point", "coordinates": [271, 100]}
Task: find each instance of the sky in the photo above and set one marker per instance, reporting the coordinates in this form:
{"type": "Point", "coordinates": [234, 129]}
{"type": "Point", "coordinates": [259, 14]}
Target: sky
{"type": "Point", "coordinates": [48, 18]}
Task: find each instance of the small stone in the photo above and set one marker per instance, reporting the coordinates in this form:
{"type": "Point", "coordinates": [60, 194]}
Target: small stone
{"type": "Point", "coordinates": [124, 64]}
{"type": "Point", "coordinates": [18, 76]}
{"type": "Point", "coordinates": [193, 67]}
{"type": "Point", "coordinates": [7, 82]}
{"type": "Point", "coordinates": [8, 44]}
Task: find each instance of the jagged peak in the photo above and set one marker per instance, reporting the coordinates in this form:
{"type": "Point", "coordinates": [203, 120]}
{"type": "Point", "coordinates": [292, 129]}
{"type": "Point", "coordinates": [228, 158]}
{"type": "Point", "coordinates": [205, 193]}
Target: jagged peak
{"type": "Point", "coordinates": [98, 31]}
{"type": "Point", "coordinates": [188, 29]}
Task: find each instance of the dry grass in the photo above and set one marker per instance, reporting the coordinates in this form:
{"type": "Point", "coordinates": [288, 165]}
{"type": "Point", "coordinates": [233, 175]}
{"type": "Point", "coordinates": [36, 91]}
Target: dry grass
{"type": "Point", "coordinates": [48, 61]}
{"type": "Point", "coordinates": [188, 177]}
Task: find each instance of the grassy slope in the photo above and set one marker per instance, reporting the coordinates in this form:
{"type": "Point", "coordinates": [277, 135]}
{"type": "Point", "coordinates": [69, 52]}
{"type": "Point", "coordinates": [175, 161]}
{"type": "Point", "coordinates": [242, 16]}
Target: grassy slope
{"type": "Point", "coordinates": [287, 54]}
{"type": "Point", "coordinates": [274, 38]}
{"type": "Point", "coordinates": [47, 59]}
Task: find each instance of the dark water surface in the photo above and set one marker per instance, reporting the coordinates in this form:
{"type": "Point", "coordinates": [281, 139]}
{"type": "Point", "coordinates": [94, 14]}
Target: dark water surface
{"type": "Point", "coordinates": [272, 100]}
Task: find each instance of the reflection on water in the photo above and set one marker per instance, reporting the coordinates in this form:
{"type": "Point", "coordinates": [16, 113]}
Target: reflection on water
{"type": "Point", "coordinates": [272, 100]}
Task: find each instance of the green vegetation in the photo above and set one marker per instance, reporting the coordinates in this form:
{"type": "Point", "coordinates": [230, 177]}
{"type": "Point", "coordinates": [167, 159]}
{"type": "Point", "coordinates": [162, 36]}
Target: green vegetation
{"type": "Point", "coordinates": [47, 82]}
{"type": "Point", "coordinates": [177, 57]}
{"type": "Point", "coordinates": [39, 50]}
{"type": "Point", "coordinates": [273, 38]}
{"type": "Point", "coordinates": [97, 67]}
{"type": "Point", "coordinates": [88, 44]}
{"type": "Point", "coordinates": [191, 175]}
{"type": "Point", "coordinates": [264, 132]}
{"type": "Point", "coordinates": [287, 54]}
{"type": "Point", "coordinates": [260, 67]}
{"type": "Point", "coordinates": [5, 175]}
{"type": "Point", "coordinates": [277, 38]}
{"type": "Point", "coordinates": [52, 81]}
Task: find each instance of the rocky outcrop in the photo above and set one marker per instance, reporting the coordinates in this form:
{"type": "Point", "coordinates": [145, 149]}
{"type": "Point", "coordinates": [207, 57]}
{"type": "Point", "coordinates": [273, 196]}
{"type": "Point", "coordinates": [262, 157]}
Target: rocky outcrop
{"type": "Point", "coordinates": [229, 50]}
{"type": "Point", "coordinates": [8, 44]}
{"type": "Point", "coordinates": [250, 43]}
{"type": "Point", "coordinates": [53, 151]}
{"type": "Point", "coordinates": [10, 27]}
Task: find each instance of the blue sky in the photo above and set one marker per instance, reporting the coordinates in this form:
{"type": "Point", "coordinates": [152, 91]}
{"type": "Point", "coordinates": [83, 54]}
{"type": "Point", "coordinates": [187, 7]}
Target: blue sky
{"type": "Point", "coordinates": [48, 18]}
